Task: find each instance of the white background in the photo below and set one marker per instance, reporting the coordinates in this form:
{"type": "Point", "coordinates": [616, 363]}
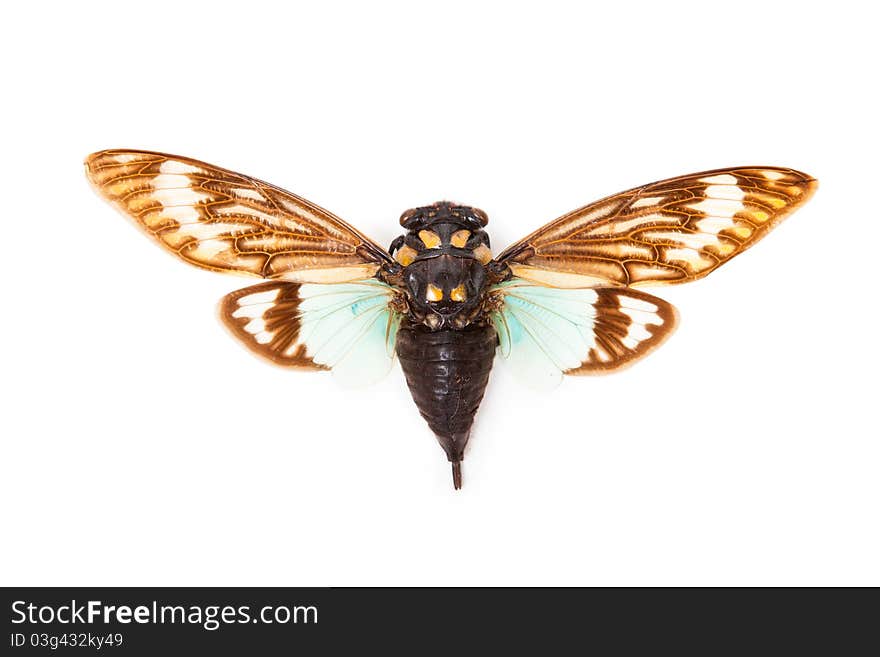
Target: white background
{"type": "Point", "coordinates": [142, 445]}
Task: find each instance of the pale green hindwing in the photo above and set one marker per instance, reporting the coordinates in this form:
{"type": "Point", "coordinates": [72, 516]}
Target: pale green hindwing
{"type": "Point", "coordinates": [545, 332]}
{"type": "Point", "coordinates": [350, 328]}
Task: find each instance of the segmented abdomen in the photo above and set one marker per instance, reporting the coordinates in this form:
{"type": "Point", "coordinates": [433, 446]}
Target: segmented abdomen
{"type": "Point", "coordinates": [447, 373]}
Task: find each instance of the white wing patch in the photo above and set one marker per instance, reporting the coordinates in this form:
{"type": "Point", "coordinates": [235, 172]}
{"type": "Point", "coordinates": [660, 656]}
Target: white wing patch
{"type": "Point", "coordinates": [545, 332]}
{"type": "Point", "coordinates": [225, 221]}
{"type": "Point", "coordinates": [348, 328]}
{"type": "Point", "coordinates": [671, 231]}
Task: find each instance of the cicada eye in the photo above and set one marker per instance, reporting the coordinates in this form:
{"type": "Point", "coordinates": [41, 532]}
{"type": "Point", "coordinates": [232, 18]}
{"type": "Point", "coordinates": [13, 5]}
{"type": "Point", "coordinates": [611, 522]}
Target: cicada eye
{"type": "Point", "coordinates": [408, 216]}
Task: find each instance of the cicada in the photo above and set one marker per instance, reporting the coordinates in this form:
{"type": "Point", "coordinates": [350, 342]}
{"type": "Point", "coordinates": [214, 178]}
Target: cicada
{"type": "Point", "coordinates": [562, 300]}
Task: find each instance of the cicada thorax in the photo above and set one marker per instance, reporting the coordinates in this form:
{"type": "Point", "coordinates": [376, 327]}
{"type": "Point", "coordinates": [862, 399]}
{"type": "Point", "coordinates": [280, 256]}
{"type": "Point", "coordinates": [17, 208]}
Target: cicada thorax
{"type": "Point", "coordinates": [443, 256]}
{"type": "Point", "coordinates": [445, 344]}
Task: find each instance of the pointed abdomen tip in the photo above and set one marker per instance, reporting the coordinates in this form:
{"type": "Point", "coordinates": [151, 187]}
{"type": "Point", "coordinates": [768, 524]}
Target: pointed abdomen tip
{"type": "Point", "coordinates": [456, 474]}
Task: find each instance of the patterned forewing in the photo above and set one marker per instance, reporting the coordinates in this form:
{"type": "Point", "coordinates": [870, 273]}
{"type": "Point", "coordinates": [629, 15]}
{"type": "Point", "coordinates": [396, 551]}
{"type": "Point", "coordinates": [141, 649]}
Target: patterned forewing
{"type": "Point", "coordinates": [225, 221]}
{"type": "Point", "coordinates": [672, 231]}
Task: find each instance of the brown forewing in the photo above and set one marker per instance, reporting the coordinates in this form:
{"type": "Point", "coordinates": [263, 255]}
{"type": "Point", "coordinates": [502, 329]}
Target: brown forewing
{"type": "Point", "coordinates": [225, 221]}
{"type": "Point", "coordinates": [672, 231]}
